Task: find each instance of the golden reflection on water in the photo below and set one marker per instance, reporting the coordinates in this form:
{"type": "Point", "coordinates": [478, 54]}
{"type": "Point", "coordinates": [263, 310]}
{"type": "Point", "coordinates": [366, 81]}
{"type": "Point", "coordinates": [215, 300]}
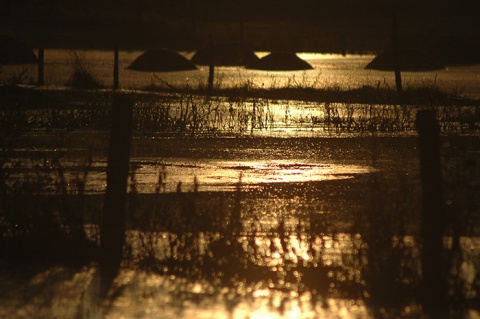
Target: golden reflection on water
{"type": "Point", "coordinates": [279, 297]}
{"type": "Point", "coordinates": [219, 174]}
{"type": "Point", "coordinates": [143, 293]}
{"type": "Point", "coordinates": [150, 295]}
{"type": "Point", "coordinates": [205, 174]}
{"type": "Point", "coordinates": [284, 255]}
{"type": "Point", "coordinates": [145, 297]}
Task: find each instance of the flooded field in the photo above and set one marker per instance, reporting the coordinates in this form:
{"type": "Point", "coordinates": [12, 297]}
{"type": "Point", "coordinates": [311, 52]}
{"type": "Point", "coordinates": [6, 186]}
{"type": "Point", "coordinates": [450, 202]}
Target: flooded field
{"type": "Point", "coordinates": [264, 227]}
{"type": "Point", "coordinates": [236, 208]}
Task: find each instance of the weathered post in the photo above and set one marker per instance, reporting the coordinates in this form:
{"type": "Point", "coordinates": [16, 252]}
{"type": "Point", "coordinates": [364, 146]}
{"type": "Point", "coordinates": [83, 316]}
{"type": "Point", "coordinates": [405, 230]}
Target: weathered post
{"type": "Point", "coordinates": [343, 44]}
{"type": "Point", "coordinates": [116, 81]}
{"type": "Point", "coordinates": [211, 66]}
{"type": "Point", "coordinates": [433, 223]}
{"type": "Point", "coordinates": [112, 229]}
{"type": "Point", "coordinates": [396, 56]}
{"type": "Point", "coordinates": [41, 67]}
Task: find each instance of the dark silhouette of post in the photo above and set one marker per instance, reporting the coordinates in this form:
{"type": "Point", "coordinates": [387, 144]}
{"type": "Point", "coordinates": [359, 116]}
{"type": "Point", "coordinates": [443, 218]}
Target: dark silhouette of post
{"type": "Point", "coordinates": [433, 224]}
{"type": "Point", "coordinates": [396, 57]}
{"type": "Point", "coordinates": [211, 66]}
{"type": "Point", "coordinates": [112, 229]}
{"type": "Point", "coordinates": [343, 44]}
{"type": "Point", "coordinates": [41, 67]}
{"type": "Point", "coordinates": [116, 81]}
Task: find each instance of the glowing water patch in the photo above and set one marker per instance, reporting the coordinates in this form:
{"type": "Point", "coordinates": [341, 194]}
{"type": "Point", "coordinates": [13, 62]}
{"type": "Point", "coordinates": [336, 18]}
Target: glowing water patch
{"type": "Point", "coordinates": [214, 174]}
{"type": "Point", "coordinates": [172, 174]}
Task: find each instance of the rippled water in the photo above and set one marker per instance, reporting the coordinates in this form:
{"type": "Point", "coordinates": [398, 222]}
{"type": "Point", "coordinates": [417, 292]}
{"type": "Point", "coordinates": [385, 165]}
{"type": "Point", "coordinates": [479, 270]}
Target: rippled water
{"type": "Point", "coordinates": [299, 249]}
{"type": "Point", "coordinates": [306, 207]}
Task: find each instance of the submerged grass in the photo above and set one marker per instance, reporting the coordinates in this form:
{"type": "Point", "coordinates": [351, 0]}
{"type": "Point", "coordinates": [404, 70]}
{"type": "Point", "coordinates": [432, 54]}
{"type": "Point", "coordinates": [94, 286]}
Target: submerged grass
{"type": "Point", "coordinates": [248, 111]}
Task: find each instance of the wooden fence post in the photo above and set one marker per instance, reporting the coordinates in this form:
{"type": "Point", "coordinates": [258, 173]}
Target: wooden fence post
{"type": "Point", "coordinates": [112, 231]}
{"type": "Point", "coordinates": [116, 81]}
{"type": "Point", "coordinates": [433, 224]}
{"type": "Point", "coordinates": [211, 66]}
{"type": "Point", "coordinates": [396, 57]}
{"type": "Point", "coordinates": [343, 44]}
{"type": "Point", "coordinates": [41, 67]}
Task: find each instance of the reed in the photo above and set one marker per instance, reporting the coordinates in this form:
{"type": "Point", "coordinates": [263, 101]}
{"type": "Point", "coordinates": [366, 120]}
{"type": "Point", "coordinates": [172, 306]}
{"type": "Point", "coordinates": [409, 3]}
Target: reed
{"type": "Point", "coordinates": [82, 77]}
{"type": "Point", "coordinates": [194, 114]}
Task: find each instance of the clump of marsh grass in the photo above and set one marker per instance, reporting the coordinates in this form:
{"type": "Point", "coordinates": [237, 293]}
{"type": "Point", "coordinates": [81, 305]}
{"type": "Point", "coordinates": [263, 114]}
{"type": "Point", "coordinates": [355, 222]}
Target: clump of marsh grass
{"type": "Point", "coordinates": [241, 110]}
{"type": "Point", "coordinates": [17, 78]}
{"type": "Point", "coordinates": [82, 76]}
{"type": "Point", "coordinates": [304, 88]}
{"type": "Point", "coordinates": [364, 118]}
{"type": "Point", "coordinates": [94, 115]}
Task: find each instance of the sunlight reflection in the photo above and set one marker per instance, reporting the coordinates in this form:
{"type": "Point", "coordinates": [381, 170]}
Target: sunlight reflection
{"type": "Point", "coordinates": [209, 174]}
{"type": "Point", "coordinates": [212, 174]}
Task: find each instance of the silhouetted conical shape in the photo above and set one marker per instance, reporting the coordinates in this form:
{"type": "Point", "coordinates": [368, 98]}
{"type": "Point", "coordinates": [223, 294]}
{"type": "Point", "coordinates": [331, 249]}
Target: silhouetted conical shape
{"type": "Point", "coordinates": [14, 51]}
{"type": "Point", "coordinates": [280, 61]}
{"type": "Point", "coordinates": [226, 54]}
{"type": "Point", "coordinates": [160, 60]}
{"type": "Point", "coordinates": [410, 59]}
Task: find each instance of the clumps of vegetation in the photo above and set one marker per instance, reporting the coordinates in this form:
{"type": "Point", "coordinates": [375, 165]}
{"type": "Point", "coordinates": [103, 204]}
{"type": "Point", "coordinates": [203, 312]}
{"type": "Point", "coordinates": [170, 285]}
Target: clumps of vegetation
{"type": "Point", "coordinates": [82, 76]}
{"type": "Point", "coordinates": [16, 78]}
{"type": "Point", "coordinates": [190, 113]}
{"type": "Point", "coordinates": [305, 89]}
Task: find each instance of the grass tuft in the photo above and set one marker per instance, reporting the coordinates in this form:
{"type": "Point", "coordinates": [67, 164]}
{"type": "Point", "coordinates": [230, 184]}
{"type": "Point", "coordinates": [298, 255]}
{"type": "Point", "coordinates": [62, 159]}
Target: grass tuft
{"type": "Point", "coordinates": [82, 76]}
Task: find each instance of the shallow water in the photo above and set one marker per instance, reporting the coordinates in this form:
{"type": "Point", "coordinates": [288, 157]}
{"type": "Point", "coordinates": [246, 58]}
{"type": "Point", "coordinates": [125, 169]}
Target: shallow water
{"type": "Point", "coordinates": [64, 292]}
{"type": "Point", "coordinates": [330, 71]}
{"type": "Point", "coordinates": [305, 205]}
{"type": "Point", "coordinates": [294, 181]}
{"type": "Point", "coordinates": [215, 164]}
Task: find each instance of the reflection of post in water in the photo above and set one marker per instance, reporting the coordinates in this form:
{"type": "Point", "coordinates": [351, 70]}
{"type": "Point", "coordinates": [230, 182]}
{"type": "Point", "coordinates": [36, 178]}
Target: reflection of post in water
{"type": "Point", "coordinates": [382, 271]}
{"type": "Point", "coordinates": [434, 286]}
{"type": "Point", "coordinates": [388, 263]}
{"type": "Point", "coordinates": [113, 220]}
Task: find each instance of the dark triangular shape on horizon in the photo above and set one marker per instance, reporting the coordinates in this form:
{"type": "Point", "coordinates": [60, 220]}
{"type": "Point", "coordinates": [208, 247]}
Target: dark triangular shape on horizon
{"type": "Point", "coordinates": [280, 61]}
{"type": "Point", "coordinates": [161, 60]}
{"type": "Point", "coordinates": [410, 59]}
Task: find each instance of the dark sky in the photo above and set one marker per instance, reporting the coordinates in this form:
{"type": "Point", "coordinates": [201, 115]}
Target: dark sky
{"type": "Point", "coordinates": [300, 25]}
